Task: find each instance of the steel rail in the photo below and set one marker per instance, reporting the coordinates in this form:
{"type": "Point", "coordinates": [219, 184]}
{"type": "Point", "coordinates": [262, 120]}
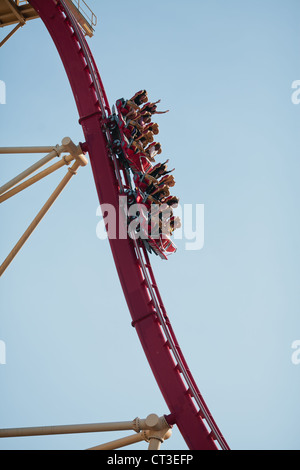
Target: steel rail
{"type": "Point", "coordinates": [174, 346]}
{"type": "Point", "coordinates": [152, 325]}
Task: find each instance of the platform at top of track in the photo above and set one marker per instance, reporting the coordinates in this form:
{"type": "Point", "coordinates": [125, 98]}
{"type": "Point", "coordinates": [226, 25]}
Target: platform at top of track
{"type": "Point", "coordinates": [14, 12]}
{"type": "Point", "coordinates": [20, 11]}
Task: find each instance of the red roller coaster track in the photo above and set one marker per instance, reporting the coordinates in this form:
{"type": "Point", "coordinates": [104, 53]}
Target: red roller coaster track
{"type": "Point", "coordinates": [187, 407]}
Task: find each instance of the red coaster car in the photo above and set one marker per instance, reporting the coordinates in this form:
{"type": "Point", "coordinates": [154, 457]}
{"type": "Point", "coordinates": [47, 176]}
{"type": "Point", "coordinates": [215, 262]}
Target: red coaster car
{"type": "Point", "coordinates": [160, 244]}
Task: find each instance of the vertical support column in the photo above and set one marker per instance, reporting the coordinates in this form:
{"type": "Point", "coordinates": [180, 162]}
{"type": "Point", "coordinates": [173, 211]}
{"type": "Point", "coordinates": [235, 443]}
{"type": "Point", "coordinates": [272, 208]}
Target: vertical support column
{"type": "Point", "coordinates": [157, 438]}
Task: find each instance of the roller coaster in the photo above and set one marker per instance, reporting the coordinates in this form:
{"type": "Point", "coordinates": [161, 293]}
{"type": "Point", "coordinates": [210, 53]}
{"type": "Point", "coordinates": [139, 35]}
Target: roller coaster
{"type": "Point", "coordinates": [68, 24]}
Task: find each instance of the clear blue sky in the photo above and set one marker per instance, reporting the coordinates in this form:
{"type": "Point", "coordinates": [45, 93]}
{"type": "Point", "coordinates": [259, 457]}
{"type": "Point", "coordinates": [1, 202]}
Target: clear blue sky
{"type": "Point", "coordinates": [224, 69]}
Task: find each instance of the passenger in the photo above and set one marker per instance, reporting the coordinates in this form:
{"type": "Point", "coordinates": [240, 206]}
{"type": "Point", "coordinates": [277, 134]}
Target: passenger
{"type": "Point", "coordinates": [146, 139]}
{"type": "Point", "coordinates": [146, 134]}
{"type": "Point", "coordinates": [151, 200]}
{"type": "Point", "coordinates": [140, 97]}
{"type": "Point", "coordinates": [144, 119]}
{"type": "Point", "coordinates": [175, 223]}
{"type": "Point", "coordinates": [161, 192]}
{"type": "Point", "coordinates": [152, 150]}
{"type": "Point", "coordinates": [155, 225]}
{"type": "Point", "coordinates": [137, 147]}
{"type": "Point", "coordinates": [160, 170]}
{"type": "Point", "coordinates": [126, 108]}
{"type": "Point", "coordinates": [130, 130]}
{"type": "Point", "coordinates": [168, 227]}
{"type": "Point", "coordinates": [136, 128]}
{"type": "Point", "coordinates": [153, 127]}
{"type": "Point", "coordinates": [169, 180]}
{"type": "Point", "coordinates": [157, 185]}
{"type": "Point", "coordinates": [166, 212]}
{"type": "Point", "coordinates": [161, 219]}
{"type": "Point", "coordinates": [171, 201]}
{"type": "Point", "coordinates": [131, 108]}
{"type": "Point", "coordinates": [139, 125]}
{"type": "Point", "coordinates": [155, 170]}
{"type": "Point", "coordinates": [152, 108]}
{"type": "Point", "coordinates": [144, 182]}
{"type": "Point", "coordinates": [155, 228]}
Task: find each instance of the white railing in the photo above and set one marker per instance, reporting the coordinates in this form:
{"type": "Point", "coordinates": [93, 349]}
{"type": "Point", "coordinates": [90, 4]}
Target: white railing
{"type": "Point", "coordinates": [81, 6]}
{"type": "Point", "coordinates": [85, 10]}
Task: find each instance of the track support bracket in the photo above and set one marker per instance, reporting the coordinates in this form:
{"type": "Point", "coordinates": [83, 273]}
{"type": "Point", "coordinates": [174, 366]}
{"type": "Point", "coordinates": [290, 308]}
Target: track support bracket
{"type": "Point", "coordinates": [154, 430]}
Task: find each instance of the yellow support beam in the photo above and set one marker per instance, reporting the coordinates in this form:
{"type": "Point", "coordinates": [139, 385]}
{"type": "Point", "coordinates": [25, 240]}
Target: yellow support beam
{"type": "Point", "coordinates": [20, 11]}
{"type": "Point", "coordinates": [80, 161]}
{"type": "Point", "coordinates": [16, 12]}
{"type": "Point", "coordinates": [51, 169]}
